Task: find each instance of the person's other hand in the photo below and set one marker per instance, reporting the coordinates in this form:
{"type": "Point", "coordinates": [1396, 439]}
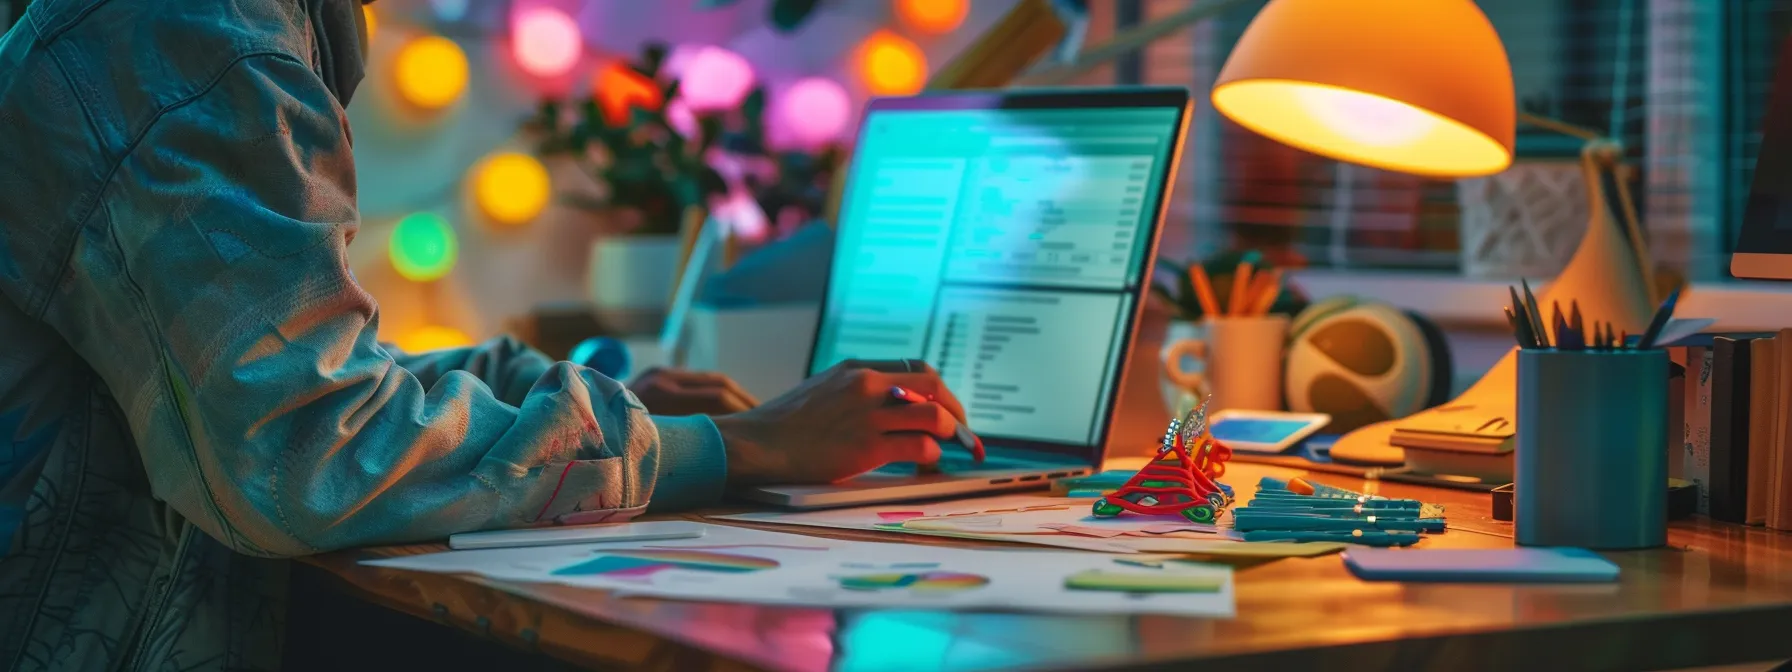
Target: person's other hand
{"type": "Point", "coordinates": [680, 392]}
{"type": "Point", "coordinates": [840, 424]}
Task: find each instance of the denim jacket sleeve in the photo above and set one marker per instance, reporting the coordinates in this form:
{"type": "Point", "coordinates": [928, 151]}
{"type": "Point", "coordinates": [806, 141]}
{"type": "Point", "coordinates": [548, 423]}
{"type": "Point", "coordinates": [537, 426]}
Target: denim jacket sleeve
{"type": "Point", "coordinates": [294, 431]}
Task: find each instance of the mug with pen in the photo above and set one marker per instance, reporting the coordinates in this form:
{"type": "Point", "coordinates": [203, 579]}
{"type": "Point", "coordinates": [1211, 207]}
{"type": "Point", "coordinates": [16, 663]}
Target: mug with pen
{"type": "Point", "coordinates": [1242, 349]}
{"type": "Point", "coordinates": [1590, 471]}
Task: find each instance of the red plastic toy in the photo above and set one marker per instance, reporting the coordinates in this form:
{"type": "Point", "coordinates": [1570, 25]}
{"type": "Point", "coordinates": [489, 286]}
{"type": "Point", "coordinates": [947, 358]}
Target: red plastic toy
{"type": "Point", "coordinates": [1181, 479]}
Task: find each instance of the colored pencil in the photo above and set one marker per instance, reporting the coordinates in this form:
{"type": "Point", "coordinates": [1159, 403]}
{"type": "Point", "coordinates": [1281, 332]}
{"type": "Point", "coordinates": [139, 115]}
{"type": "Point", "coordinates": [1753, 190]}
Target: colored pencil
{"type": "Point", "coordinates": [1269, 288]}
{"type": "Point", "coordinates": [1241, 281]}
{"type": "Point", "coordinates": [1210, 305]}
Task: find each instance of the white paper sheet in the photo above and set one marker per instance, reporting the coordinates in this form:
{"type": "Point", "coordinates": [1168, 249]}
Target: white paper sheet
{"type": "Point", "coordinates": [732, 564]}
{"type": "Point", "coordinates": [1062, 522]}
{"type": "Point", "coordinates": [1031, 519]}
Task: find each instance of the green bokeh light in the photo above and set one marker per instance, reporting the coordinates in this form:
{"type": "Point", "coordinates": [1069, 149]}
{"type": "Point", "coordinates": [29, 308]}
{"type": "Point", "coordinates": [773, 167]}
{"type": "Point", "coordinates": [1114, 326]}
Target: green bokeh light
{"type": "Point", "coordinates": [423, 247]}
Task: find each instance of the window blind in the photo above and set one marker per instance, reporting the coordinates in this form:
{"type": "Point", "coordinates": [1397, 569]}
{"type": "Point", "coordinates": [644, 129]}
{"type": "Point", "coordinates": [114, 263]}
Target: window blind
{"type": "Point", "coordinates": [1569, 59]}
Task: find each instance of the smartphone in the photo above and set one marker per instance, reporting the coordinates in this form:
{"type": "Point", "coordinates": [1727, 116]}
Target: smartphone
{"type": "Point", "coordinates": [1265, 431]}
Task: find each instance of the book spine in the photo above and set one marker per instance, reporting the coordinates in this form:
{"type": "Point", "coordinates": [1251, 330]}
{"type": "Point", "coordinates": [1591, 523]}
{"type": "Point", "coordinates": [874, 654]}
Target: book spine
{"type": "Point", "coordinates": [1729, 429]}
{"type": "Point", "coordinates": [1763, 414]}
{"type": "Point", "coordinates": [1697, 440]}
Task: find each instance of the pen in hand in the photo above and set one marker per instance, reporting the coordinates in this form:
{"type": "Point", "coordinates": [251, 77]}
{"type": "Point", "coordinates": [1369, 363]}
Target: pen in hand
{"type": "Point", "coordinates": [962, 434]}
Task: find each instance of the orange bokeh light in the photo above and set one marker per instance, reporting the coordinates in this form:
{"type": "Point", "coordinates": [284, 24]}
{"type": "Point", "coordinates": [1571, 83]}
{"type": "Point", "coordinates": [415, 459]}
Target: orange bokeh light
{"type": "Point", "coordinates": [891, 65]}
{"type": "Point", "coordinates": [620, 89]}
{"type": "Point", "coordinates": [932, 16]}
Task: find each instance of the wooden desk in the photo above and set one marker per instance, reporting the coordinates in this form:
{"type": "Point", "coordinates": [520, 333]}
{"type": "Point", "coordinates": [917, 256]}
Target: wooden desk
{"type": "Point", "coordinates": [1720, 594]}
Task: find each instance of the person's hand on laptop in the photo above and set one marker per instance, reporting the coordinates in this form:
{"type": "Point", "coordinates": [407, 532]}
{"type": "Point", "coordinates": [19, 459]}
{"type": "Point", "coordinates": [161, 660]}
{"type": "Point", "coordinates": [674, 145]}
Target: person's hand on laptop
{"type": "Point", "coordinates": [840, 424]}
{"type": "Point", "coordinates": [681, 392]}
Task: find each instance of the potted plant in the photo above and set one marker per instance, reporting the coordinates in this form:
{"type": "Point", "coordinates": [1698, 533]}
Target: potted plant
{"type": "Point", "coordinates": [648, 179]}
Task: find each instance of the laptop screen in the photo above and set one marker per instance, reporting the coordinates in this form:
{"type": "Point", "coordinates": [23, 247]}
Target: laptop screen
{"type": "Point", "coordinates": [1006, 247]}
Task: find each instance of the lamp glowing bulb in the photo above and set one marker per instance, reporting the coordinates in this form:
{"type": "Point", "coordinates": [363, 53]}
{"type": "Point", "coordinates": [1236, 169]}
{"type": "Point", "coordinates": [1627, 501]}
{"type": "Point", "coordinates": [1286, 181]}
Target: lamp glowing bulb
{"type": "Point", "coordinates": [432, 72]}
{"type": "Point", "coordinates": [714, 78]}
{"type": "Point", "coordinates": [546, 41]}
{"type": "Point", "coordinates": [433, 337]}
{"type": "Point", "coordinates": [1366, 119]}
{"type": "Point", "coordinates": [891, 65]}
{"type": "Point", "coordinates": [932, 16]}
{"type": "Point", "coordinates": [423, 247]}
{"type": "Point", "coordinates": [814, 111]}
{"type": "Point", "coordinates": [511, 189]}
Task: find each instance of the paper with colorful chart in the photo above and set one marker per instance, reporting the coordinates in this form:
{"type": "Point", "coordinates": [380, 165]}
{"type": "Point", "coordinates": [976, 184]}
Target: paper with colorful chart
{"type": "Point", "coordinates": [1063, 522]}
{"type": "Point", "coordinates": [732, 564]}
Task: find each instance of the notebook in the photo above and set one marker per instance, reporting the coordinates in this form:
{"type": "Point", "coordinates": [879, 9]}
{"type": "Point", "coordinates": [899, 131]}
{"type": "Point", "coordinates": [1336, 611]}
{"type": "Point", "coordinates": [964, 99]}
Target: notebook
{"type": "Point", "coordinates": [1516, 565]}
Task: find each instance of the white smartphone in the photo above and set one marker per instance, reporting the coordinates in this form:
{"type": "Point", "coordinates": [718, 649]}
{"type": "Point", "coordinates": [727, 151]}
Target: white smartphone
{"type": "Point", "coordinates": [1265, 431]}
{"type": "Point", "coordinates": [575, 534]}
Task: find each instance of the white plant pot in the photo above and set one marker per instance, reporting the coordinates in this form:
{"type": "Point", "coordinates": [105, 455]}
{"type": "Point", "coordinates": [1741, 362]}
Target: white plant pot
{"type": "Point", "coordinates": [633, 272]}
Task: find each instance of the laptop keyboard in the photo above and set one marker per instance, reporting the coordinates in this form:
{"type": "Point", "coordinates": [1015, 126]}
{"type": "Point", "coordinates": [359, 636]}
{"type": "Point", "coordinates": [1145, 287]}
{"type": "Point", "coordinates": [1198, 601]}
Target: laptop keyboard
{"type": "Point", "coordinates": [952, 463]}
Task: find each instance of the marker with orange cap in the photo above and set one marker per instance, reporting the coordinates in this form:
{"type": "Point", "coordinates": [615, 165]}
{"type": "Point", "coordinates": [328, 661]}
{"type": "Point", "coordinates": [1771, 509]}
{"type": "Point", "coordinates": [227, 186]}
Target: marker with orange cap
{"type": "Point", "coordinates": [962, 433]}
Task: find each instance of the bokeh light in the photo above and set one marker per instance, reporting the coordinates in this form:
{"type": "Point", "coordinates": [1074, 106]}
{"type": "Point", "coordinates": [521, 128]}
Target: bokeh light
{"type": "Point", "coordinates": [423, 247]}
{"type": "Point", "coordinates": [450, 10]}
{"type": "Point", "coordinates": [620, 89]}
{"type": "Point", "coordinates": [546, 41]}
{"type": "Point", "coordinates": [432, 337]}
{"type": "Point", "coordinates": [714, 79]}
{"type": "Point", "coordinates": [371, 19]}
{"type": "Point", "coordinates": [680, 117]}
{"type": "Point", "coordinates": [932, 16]}
{"type": "Point", "coordinates": [511, 188]}
{"type": "Point", "coordinates": [814, 111]}
{"type": "Point", "coordinates": [432, 72]}
{"type": "Point", "coordinates": [891, 65]}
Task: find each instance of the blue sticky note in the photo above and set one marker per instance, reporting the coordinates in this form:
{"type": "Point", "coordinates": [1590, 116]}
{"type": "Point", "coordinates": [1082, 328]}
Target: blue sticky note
{"type": "Point", "coordinates": [1450, 565]}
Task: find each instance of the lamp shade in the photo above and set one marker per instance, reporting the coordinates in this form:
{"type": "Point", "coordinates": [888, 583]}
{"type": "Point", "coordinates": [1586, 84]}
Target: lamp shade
{"type": "Point", "coordinates": [1417, 86]}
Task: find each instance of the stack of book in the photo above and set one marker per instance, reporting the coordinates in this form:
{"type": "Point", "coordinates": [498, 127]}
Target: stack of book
{"type": "Point", "coordinates": [1735, 434]}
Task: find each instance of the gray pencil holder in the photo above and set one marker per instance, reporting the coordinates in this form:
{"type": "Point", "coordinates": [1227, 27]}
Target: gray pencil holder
{"type": "Point", "coordinates": [1592, 466]}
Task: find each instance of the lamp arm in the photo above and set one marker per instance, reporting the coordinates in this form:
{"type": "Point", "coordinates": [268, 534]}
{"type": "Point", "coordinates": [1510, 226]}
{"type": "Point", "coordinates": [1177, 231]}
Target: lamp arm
{"type": "Point", "coordinates": [1125, 43]}
{"type": "Point", "coordinates": [1560, 126]}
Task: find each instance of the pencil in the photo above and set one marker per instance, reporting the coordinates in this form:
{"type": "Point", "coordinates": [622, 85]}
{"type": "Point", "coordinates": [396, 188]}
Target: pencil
{"type": "Point", "coordinates": [1241, 281]}
{"type": "Point", "coordinates": [1268, 289]}
{"type": "Point", "coordinates": [1210, 306]}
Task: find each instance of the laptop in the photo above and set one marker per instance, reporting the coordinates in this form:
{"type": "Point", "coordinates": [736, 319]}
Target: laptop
{"type": "Point", "coordinates": [1007, 239]}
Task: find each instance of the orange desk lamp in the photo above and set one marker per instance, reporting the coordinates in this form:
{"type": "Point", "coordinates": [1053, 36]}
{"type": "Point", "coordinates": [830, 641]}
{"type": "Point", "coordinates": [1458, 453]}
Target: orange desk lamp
{"type": "Point", "coordinates": [1422, 87]}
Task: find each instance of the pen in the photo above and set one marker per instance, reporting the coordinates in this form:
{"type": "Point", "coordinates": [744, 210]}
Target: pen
{"type": "Point", "coordinates": [1270, 485]}
{"type": "Point", "coordinates": [1658, 322]}
{"type": "Point", "coordinates": [1352, 537]}
{"type": "Point", "coordinates": [1536, 314]}
{"type": "Point", "coordinates": [1262, 521]}
{"type": "Point", "coordinates": [962, 433]}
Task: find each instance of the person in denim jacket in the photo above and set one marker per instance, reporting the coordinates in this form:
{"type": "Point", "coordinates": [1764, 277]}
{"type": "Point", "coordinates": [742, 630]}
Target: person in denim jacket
{"type": "Point", "coordinates": [190, 385]}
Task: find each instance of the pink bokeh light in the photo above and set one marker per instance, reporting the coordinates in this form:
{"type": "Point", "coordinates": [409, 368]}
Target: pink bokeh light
{"type": "Point", "coordinates": [714, 79]}
{"type": "Point", "coordinates": [814, 111]}
{"type": "Point", "coordinates": [546, 41]}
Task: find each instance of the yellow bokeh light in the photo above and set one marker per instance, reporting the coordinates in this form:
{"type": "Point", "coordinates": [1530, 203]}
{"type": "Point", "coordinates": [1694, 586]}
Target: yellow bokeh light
{"type": "Point", "coordinates": [431, 71]}
{"type": "Point", "coordinates": [432, 337]}
{"type": "Point", "coordinates": [891, 65]}
{"type": "Point", "coordinates": [511, 189]}
{"type": "Point", "coordinates": [932, 16]}
{"type": "Point", "coordinates": [372, 20]}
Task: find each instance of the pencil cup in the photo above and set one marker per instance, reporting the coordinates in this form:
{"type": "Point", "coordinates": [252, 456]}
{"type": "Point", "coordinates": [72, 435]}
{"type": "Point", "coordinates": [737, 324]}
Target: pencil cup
{"type": "Point", "coordinates": [1590, 470]}
{"type": "Point", "coordinates": [1242, 362]}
